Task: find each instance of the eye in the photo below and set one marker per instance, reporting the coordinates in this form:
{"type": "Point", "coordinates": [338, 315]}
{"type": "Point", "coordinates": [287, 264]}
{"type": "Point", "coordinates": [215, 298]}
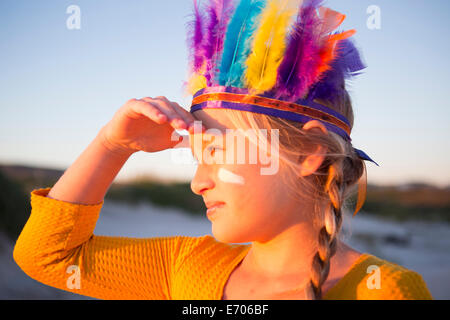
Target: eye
{"type": "Point", "coordinates": [212, 149]}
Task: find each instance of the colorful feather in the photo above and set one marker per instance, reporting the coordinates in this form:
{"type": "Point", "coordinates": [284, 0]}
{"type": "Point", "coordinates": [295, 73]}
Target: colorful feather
{"type": "Point", "coordinates": [269, 46]}
{"type": "Point", "coordinates": [219, 12]}
{"type": "Point", "coordinates": [310, 51]}
{"type": "Point", "coordinates": [196, 82]}
{"type": "Point", "coordinates": [330, 19]}
{"type": "Point", "coordinates": [196, 51]}
{"type": "Point", "coordinates": [252, 47]}
{"type": "Point", "coordinates": [328, 51]}
{"type": "Point", "coordinates": [347, 64]}
{"type": "Point", "coordinates": [195, 39]}
{"type": "Point", "coordinates": [299, 66]}
{"type": "Point", "coordinates": [236, 49]}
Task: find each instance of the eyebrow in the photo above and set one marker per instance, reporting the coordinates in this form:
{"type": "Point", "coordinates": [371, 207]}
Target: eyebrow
{"type": "Point", "coordinates": [206, 126]}
{"type": "Point", "coordinates": [212, 134]}
{"type": "Point", "coordinates": [206, 139]}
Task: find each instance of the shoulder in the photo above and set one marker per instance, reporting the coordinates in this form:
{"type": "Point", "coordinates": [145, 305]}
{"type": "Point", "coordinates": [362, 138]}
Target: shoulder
{"type": "Point", "coordinates": [373, 278]}
{"type": "Point", "coordinates": [203, 267]}
{"type": "Point", "coordinates": [208, 244]}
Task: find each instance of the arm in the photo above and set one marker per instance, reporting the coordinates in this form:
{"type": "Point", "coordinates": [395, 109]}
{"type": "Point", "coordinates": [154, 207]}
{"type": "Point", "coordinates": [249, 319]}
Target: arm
{"type": "Point", "coordinates": [57, 247]}
{"type": "Point", "coordinates": [139, 125]}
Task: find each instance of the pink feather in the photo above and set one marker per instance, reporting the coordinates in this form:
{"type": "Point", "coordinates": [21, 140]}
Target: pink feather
{"type": "Point", "coordinates": [195, 40]}
{"type": "Point", "coordinates": [219, 12]}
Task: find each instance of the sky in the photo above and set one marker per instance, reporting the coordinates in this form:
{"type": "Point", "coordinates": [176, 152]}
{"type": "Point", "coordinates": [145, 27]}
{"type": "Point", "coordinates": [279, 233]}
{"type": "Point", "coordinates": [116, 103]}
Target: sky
{"type": "Point", "coordinates": [60, 86]}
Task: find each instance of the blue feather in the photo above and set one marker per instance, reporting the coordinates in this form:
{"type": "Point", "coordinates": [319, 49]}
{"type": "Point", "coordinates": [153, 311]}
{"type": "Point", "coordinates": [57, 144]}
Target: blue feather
{"type": "Point", "coordinates": [238, 41]}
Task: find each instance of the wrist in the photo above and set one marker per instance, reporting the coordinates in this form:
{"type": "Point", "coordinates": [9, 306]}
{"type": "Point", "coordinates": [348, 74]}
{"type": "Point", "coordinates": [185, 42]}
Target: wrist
{"type": "Point", "coordinates": [112, 148]}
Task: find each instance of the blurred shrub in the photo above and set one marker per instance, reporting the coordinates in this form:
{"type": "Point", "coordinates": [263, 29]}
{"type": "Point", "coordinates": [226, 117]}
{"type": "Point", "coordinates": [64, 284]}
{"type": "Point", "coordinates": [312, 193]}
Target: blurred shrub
{"type": "Point", "coordinates": [15, 207]}
{"type": "Point", "coordinates": [177, 195]}
{"type": "Point", "coordinates": [416, 202]}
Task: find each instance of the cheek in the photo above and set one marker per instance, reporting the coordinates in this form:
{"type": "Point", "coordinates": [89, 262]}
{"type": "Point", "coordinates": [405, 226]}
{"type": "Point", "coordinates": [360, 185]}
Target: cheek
{"type": "Point", "coordinates": [227, 176]}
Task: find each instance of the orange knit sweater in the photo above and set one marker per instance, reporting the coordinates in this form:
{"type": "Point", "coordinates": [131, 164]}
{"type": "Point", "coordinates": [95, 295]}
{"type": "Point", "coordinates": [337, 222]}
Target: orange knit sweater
{"type": "Point", "coordinates": [58, 248]}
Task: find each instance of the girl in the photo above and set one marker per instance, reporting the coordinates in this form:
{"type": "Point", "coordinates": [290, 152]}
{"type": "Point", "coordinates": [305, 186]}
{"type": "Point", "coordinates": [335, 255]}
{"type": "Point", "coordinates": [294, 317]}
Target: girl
{"type": "Point", "coordinates": [292, 216]}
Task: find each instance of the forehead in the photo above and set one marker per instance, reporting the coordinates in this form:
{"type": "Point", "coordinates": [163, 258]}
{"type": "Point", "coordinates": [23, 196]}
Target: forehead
{"type": "Point", "coordinates": [213, 118]}
{"type": "Point", "coordinates": [215, 122]}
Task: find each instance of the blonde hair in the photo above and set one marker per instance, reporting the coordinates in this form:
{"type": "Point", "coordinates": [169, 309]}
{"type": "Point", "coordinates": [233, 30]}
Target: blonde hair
{"type": "Point", "coordinates": [331, 184]}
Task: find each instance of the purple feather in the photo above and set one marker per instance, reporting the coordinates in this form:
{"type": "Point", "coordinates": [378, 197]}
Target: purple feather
{"type": "Point", "coordinates": [219, 12]}
{"type": "Point", "coordinates": [348, 59]}
{"type": "Point", "coordinates": [298, 70]}
{"type": "Point", "coordinates": [345, 66]}
{"type": "Point", "coordinates": [195, 39]}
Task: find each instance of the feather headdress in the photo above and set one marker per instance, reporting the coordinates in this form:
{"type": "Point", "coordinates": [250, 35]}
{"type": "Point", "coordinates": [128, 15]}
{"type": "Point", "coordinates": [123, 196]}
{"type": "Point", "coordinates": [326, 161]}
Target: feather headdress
{"type": "Point", "coordinates": [275, 57]}
{"type": "Point", "coordinates": [254, 45]}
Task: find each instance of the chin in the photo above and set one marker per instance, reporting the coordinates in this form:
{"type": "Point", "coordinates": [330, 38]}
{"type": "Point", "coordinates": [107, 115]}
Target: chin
{"type": "Point", "coordinates": [229, 235]}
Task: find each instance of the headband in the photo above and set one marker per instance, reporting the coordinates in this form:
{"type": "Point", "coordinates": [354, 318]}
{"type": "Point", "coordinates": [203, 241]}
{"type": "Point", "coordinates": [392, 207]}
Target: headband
{"type": "Point", "coordinates": [273, 57]}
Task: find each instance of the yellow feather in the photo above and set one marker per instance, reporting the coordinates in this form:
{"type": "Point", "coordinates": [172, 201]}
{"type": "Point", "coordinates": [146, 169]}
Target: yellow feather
{"type": "Point", "coordinates": [196, 81]}
{"type": "Point", "coordinates": [269, 45]}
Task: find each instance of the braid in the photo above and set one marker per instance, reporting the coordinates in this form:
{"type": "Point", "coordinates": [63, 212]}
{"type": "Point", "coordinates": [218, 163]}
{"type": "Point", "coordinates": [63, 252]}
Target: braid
{"type": "Point", "coordinates": [327, 244]}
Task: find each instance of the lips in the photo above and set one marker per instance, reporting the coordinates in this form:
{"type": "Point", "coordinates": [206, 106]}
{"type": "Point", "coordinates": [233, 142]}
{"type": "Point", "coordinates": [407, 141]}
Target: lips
{"type": "Point", "coordinates": [213, 207]}
{"type": "Point", "coordinates": [211, 204]}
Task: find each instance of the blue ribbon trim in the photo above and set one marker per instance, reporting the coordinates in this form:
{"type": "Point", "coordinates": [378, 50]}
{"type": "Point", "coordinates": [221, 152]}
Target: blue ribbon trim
{"type": "Point", "coordinates": [362, 155]}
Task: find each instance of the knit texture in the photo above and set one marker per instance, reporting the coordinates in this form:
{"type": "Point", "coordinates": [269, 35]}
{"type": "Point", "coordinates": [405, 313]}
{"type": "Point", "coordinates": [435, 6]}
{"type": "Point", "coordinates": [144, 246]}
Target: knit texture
{"type": "Point", "coordinates": [58, 241]}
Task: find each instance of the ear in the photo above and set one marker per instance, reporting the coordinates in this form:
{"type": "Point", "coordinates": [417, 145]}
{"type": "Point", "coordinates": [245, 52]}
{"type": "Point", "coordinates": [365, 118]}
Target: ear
{"type": "Point", "coordinates": [314, 161]}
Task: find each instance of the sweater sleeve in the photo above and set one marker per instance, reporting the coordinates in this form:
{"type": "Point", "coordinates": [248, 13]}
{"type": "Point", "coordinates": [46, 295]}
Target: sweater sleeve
{"type": "Point", "coordinates": [390, 281]}
{"type": "Point", "coordinates": [411, 286]}
{"type": "Point", "coordinates": [57, 247]}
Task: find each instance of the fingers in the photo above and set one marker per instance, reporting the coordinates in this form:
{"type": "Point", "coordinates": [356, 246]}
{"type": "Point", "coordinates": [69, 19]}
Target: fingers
{"type": "Point", "coordinates": [165, 107]}
{"type": "Point", "coordinates": [147, 109]}
{"type": "Point", "coordinates": [178, 117]}
{"type": "Point", "coordinates": [187, 116]}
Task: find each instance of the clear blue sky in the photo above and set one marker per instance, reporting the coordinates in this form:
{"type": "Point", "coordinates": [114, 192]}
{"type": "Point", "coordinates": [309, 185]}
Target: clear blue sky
{"type": "Point", "coordinates": [60, 86]}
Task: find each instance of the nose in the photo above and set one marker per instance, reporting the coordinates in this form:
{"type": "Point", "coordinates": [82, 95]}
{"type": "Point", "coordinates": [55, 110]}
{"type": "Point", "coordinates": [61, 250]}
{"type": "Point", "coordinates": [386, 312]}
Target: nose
{"type": "Point", "coordinates": [202, 180]}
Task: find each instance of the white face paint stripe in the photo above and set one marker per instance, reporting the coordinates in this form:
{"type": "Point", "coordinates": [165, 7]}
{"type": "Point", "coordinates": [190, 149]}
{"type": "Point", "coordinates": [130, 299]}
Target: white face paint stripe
{"type": "Point", "coordinates": [230, 177]}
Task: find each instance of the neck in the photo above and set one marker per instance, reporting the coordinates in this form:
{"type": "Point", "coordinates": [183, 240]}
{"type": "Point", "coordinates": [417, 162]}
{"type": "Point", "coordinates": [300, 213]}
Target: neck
{"type": "Point", "coordinates": [288, 256]}
{"type": "Point", "coordinates": [289, 253]}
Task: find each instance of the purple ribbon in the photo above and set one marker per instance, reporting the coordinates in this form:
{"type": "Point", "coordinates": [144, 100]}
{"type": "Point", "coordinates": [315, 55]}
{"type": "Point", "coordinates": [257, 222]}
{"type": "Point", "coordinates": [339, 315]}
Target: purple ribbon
{"type": "Point", "coordinates": [275, 112]}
